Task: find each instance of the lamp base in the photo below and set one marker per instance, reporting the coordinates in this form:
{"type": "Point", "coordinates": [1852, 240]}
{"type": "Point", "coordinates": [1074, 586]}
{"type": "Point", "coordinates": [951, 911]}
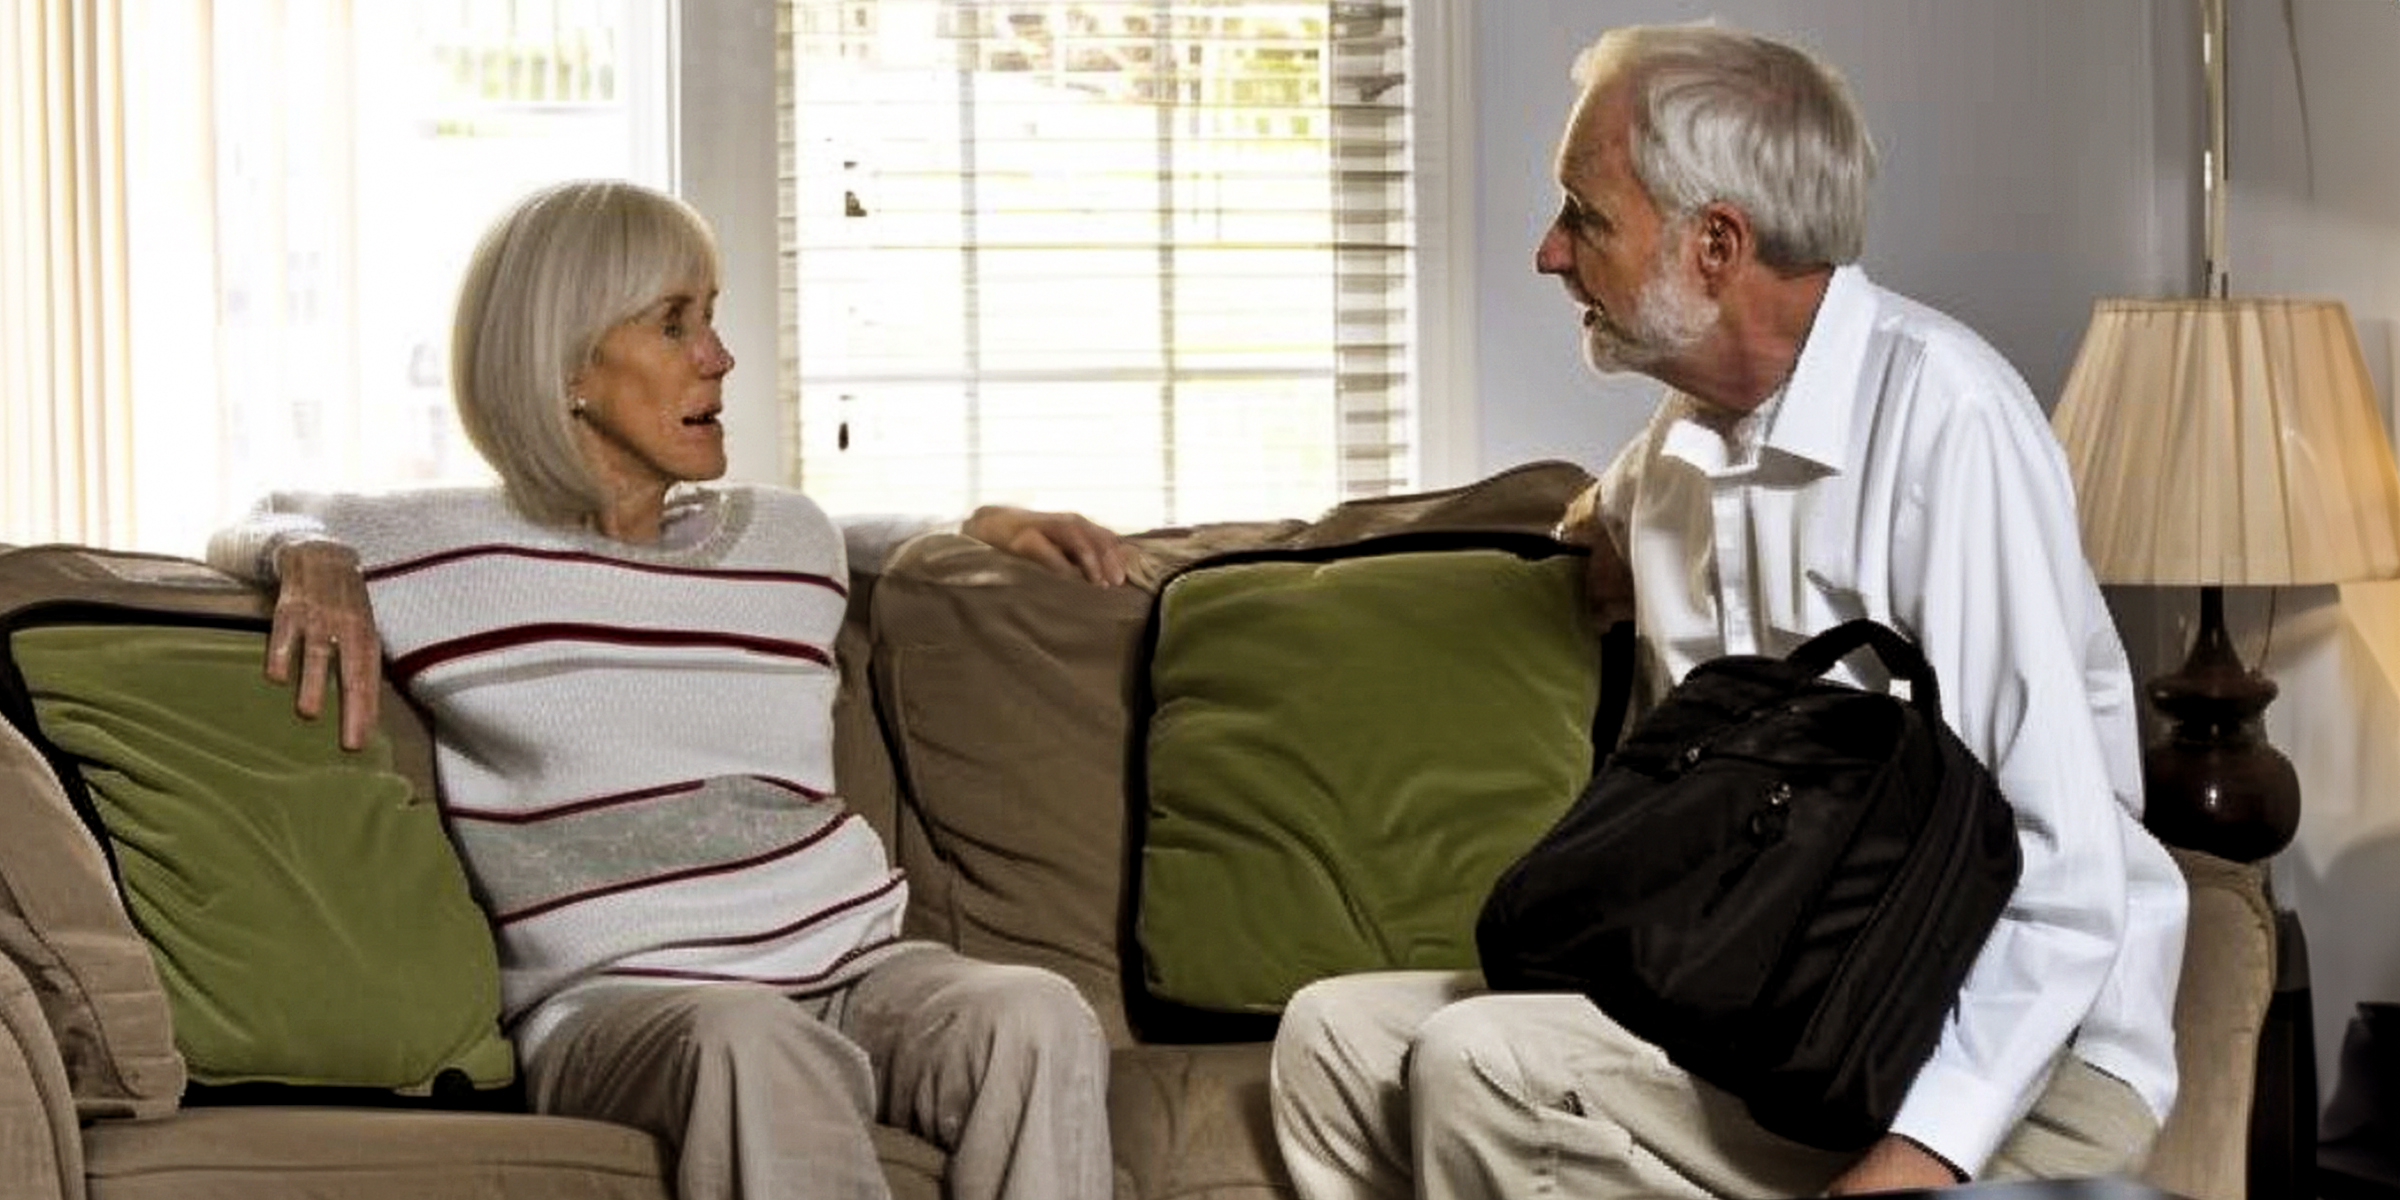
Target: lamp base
{"type": "Point", "coordinates": [2236, 802]}
{"type": "Point", "coordinates": [2215, 784]}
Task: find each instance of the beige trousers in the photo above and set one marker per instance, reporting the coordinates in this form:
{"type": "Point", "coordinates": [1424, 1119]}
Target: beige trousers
{"type": "Point", "coordinates": [761, 1096]}
{"type": "Point", "coordinates": [1419, 1083]}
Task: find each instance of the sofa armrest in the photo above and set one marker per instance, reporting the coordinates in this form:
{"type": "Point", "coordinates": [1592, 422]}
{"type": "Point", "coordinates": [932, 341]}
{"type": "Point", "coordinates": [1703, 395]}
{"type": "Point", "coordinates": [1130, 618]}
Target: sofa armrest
{"type": "Point", "coordinates": [2220, 1008]}
{"type": "Point", "coordinates": [41, 1148]}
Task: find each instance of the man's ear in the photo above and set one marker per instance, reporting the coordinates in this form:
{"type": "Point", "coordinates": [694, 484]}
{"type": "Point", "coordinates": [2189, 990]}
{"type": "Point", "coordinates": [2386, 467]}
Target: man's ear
{"type": "Point", "coordinates": [1725, 241]}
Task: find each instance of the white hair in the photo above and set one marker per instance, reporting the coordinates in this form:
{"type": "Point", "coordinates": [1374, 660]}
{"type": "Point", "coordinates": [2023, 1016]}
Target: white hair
{"type": "Point", "coordinates": [550, 278]}
{"type": "Point", "coordinates": [1722, 115]}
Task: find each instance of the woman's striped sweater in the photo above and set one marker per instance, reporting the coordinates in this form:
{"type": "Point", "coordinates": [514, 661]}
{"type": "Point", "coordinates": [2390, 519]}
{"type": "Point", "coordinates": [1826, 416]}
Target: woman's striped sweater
{"type": "Point", "coordinates": [634, 743]}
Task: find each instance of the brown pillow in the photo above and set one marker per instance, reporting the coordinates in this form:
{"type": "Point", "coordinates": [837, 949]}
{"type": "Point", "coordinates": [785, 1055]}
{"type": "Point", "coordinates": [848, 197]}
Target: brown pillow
{"type": "Point", "coordinates": [60, 920]}
{"type": "Point", "coordinates": [1007, 692]}
{"type": "Point", "coordinates": [1004, 688]}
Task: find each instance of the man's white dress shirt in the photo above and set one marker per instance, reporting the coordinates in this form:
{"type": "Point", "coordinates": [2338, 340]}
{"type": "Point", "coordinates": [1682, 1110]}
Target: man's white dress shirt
{"type": "Point", "coordinates": [1905, 473]}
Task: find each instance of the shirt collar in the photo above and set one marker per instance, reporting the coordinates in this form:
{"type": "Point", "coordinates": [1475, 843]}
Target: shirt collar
{"type": "Point", "coordinates": [1813, 420]}
{"type": "Point", "coordinates": [1809, 416]}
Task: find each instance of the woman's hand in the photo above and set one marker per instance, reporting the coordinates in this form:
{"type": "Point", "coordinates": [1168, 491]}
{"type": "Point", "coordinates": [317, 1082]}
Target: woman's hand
{"type": "Point", "coordinates": [1067, 543]}
{"type": "Point", "coordinates": [322, 616]}
{"type": "Point", "coordinates": [1895, 1164]}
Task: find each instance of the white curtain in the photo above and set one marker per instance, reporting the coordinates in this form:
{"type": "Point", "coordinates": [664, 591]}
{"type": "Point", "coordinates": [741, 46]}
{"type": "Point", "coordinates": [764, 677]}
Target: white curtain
{"type": "Point", "coordinates": [66, 446]}
{"type": "Point", "coordinates": [173, 183]}
{"type": "Point", "coordinates": [231, 229]}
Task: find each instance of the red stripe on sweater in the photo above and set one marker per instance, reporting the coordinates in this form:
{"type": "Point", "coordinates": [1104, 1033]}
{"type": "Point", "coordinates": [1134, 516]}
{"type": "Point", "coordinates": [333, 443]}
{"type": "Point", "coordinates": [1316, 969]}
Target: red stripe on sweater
{"type": "Point", "coordinates": [832, 968]}
{"type": "Point", "coordinates": [528, 816]}
{"type": "Point", "coordinates": [407, 566]}
{"type": "Point", "coordinates": [634, 885]}
{"type": "Point", "coordinates": [406, 668]}
{"type": "Point", "coordinates": [786, 929]}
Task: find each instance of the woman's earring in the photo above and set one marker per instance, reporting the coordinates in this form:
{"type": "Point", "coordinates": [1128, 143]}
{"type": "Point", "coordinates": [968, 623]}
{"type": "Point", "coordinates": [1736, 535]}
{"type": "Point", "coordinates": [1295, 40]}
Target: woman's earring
{"type": "Point", "coordinates": [576, 405]}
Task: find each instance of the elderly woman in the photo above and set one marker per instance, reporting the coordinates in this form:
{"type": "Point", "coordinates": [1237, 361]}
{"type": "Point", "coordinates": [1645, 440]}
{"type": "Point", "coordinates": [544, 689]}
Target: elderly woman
{"type": "Point", "coordinates": [630, 684]}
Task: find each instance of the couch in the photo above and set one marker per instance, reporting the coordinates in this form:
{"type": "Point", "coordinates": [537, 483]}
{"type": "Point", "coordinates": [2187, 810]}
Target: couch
{"type": "Point", "coordinates": [982, 729]}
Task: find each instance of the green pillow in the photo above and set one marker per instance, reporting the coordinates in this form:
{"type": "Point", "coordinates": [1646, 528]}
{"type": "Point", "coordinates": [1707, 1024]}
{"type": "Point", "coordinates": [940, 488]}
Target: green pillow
{"type": "Point", "coordinates": [1343, 755]}
{"type": "Point", "coordinates": [310, 921]}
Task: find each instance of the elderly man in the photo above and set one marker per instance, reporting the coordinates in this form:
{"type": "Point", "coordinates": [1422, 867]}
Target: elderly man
{"type": "Point", "coordinates": [1826, 450]}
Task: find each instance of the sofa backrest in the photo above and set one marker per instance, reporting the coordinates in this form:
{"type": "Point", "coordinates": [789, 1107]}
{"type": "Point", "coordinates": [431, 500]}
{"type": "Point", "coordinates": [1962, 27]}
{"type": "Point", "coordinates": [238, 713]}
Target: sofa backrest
{"type": "Point", "coordinates": [981, 727]}
{"type": "Point", "coordinates": [1005, 695]}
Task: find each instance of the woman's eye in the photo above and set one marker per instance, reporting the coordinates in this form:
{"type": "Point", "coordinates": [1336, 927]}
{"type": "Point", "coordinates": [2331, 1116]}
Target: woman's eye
{"type": "Point", "coordinates": [672, 327]}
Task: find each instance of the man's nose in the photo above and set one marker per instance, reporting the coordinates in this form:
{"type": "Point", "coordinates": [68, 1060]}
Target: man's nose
{"type": "Point", "coordinates": [1553, 256]}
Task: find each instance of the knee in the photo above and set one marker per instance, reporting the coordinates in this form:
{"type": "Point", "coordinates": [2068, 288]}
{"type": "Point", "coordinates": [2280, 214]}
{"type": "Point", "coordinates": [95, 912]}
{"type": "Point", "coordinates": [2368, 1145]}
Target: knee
{"type": "Point", "coordinates": [1028, 1013]}
{"type": "Point", "coordinates": [1346, 1024]}
{"type": "Point", "coordinates": [1464, 1049]}
{"type": "Point", "coordinates": [1308, 1027]}
{"type": "Point", "coordinates": [1310, 1010]}
{"type": "Point", "coordinates": [1316, 1014]}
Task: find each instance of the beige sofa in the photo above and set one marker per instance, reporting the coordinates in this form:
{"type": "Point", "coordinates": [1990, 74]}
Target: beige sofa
{"type": "Point", "coordinates": [983, 730]}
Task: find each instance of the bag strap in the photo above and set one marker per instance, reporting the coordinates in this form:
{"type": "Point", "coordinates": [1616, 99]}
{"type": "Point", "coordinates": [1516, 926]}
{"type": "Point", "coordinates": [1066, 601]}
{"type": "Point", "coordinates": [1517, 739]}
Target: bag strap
{"type": "Point", "coordinates": [1900, 656]}
{"type": "Point", "coordinates": [1616, 690]}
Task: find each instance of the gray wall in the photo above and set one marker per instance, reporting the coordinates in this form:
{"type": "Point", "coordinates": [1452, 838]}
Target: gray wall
{"type": "Point", "coordinates": [2021, 179]}
{"type": "Point", "coordinates": [2315, 210]}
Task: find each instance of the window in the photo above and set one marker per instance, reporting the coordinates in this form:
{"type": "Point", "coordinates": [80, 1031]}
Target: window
{"type": "Point", "coordinates": [1149, 259]}
{"type": "Point", "coordinates": [229, 230]}
{"type": "Point", "coordinates": [241, 279]}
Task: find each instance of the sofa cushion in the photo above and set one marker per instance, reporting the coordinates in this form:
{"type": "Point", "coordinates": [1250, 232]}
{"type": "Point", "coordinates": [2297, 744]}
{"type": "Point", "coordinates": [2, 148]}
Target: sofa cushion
{"type": "Point", "coordinates": [2221, 1004]}
{"type": "Point", "coordinates": [61, 922]}
{"type": "Point", "coordinates": [372, 1154]}
{"type": "Point", "coordinates": [1008, 691]}
{"type": "Point", "coordinates": [41, 1144]}
{"type": "Point", "coordinates": [1193, 1121]}
{"type": "Point", "coordinates": [1346, 750]}
{"type": "Point", "coordinates": [310, 922]}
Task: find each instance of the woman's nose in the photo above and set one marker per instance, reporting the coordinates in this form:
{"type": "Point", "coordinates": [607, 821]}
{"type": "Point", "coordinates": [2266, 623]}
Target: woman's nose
{"type": "Point", "coordinates": [715, 360]}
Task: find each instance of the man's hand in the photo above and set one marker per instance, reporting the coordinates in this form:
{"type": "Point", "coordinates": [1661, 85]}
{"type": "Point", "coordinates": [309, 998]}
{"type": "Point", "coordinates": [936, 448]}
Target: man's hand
{"type": "Point", "coordinates": [1067, 543]}
{"type": "Point", "coordinates": [322, 615]}
{"type": "Point", "coordinates": [1894, 1164]}
{"type": "Point", "coordinates": [1608, 583]}
{"type": "Point", "coordinates": [1608, 578]}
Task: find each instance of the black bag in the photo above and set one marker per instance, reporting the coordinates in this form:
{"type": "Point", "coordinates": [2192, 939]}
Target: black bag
{"type": "Point", "coordinates": [1779, 880]}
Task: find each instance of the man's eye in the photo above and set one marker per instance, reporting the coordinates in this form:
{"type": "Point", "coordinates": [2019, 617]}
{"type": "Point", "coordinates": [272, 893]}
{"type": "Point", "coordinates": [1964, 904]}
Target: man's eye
{"type": "Point", "coordinates": [1579, 221]}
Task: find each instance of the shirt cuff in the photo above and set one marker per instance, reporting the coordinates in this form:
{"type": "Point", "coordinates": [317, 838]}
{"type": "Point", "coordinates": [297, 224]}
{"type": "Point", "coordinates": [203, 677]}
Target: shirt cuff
{"type": "Point", "coordinates": [1956, 1115]}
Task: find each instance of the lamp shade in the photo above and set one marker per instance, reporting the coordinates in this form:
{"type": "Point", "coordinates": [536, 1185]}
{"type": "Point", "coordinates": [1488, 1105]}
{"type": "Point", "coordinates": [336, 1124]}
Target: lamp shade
{"type": "Point", "coordinates": [2229, 441]}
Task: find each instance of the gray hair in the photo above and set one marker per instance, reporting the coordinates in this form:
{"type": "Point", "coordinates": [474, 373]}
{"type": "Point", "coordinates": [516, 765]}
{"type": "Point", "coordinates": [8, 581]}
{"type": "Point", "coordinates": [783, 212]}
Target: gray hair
{"type": "Point", "coordinates": [1722, 115]}
{"type": "Point", "coordinates": [550, 278]}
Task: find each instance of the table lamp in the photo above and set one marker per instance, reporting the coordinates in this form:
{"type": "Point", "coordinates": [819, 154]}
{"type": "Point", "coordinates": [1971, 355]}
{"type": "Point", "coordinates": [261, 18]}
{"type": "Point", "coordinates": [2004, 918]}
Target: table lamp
{"type": "Point", "coordinates": [2216, 443]}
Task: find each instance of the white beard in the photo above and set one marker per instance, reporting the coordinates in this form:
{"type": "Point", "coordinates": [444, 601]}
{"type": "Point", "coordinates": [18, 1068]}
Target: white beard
{"type": "Point", "coordinates": [1670, 315]}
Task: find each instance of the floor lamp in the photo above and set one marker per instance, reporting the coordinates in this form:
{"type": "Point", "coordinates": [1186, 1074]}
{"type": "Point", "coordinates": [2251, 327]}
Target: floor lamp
{"type": "Point", "coordinates": [2218, 443]}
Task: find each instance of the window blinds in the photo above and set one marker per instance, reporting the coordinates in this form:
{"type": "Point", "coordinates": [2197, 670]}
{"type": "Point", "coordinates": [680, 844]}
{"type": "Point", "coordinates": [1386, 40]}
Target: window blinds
{"type": "Point", "coordinates": [1148, 259]}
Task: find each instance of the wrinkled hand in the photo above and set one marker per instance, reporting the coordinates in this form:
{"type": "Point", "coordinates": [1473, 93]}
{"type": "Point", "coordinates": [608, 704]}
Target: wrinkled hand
{"type": "Point", "coordinates": [1608, 578]}
{"type": "Point", "coordinates": [1608, 584]}
{"type": "Point", "coordinates": [1894, 1164]}
{"type": "Point", "coordinates": [322, 616]}
{"type": "Point", "coordinates": [1067, 543]}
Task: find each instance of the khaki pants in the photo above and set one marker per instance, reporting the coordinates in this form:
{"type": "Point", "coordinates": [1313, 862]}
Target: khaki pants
{"type": "Point", "coordinates": [1418, 1083]}
{"type": "Point", "coordinates": [761, 1096]}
